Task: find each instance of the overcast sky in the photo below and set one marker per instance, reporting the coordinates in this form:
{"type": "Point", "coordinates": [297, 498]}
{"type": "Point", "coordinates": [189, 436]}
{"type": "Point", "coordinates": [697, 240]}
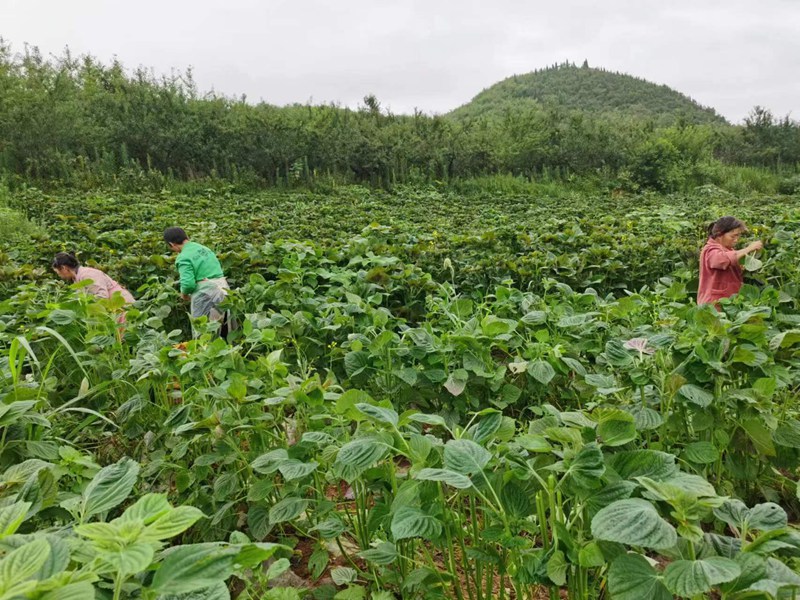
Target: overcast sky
{"type": "Point", "coordinates": [433, 55]}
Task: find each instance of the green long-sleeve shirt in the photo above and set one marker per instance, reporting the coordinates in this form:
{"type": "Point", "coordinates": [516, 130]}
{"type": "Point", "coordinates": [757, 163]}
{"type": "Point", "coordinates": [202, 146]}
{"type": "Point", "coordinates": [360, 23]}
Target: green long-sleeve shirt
{"type": "Point", "coordinates": [195, 263]}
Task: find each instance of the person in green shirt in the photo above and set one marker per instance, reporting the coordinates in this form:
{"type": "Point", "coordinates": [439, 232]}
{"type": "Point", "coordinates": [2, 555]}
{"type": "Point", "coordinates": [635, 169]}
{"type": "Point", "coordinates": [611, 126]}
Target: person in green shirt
{"type": "Point", "coordinates": [201, 278]}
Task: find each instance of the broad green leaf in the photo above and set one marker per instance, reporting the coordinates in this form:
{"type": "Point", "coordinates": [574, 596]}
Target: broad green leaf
{"type": "Point", "coordinates": [701, 453]}
{"type": "Point", "coordinates": [20, 564]}
{"type": "Point", "coordinates": [534, 317]}
{"type": "Point", "coordinates": [384, 553]}
{"type": "Point", "coordinates": [753, 568]}
{"type": "Point", "coordinates": [678, 487]}
{"type": "Point", "coordinates": [616, 428]}
{"type": "Point", "coordinates": [692, 484]}
{"type": "Point", "coordinates": [361, 453]}
{"type": "Point", "coordinates": [132, 558]}
{"type": "Point", "coordinates": [351, 592]}
{"type": "Point", "coordinates": [465, 457]}
{"type": "Point", "coordinates": [287, 509]}
{"type": "Point", "coordinates": [574, 365]}
{"type": "Point", "coordinates": [378, 413]}
{"type": "Point", "coordinates": [760, 436]}
{"type": "Point", "coordinates": [696, 395]}
{"type": "Point", "coordinates": [516, 501]}
{"type": "Point", "coordinates": [631, 577]}
{"type": "Point", "coordinates": [693, 577]}
{"type": "Point", "coordinates": [411, 522]}
{"type": "Point", "coordinates": [617, 355]}
{"type": "Point", "coordinates": [421, 447]}
{"type": "Point", "coordinates": [451, 478]}
{"type": "Point", "coordinates": [58, 559]}
{"type": "Point", "coordinates": [110, 487]}
{"type": "Point", "coordinates": [98, 531]}
{"type": "Point", "coordinates": [318, 562]}
{"type": "Point", "coordinates": [11, 517]}
{"type": "Point", "coordinates": [487, 427]}
{"type": "Point", "coordinates": [734, 512]}
{"type": "Point", "coordinates": [751, 263]}
{"type": "Point", "coordinates": [778, 571]}
{"type": "Point", "coordinates": [767, 517]}
{"type": "Point", "coordinates": [408, 375]}
{"type": "Point", "coordinates": [277, 568]}
{"type": "Point", "coordinates": [258, 521]}
{"type": "Point", "coordinates": [642, 463]}
{"type": "Point", "coordinates": [533, 443]}
{"type": "Point", "coordinates": [646, 418]}
{"type": "Point", "coordinates": [226, 486]}
{"type": "Point", "coordinates": [296, 469]}
{"type": "Point", "coordinates": [542, 371]}
{"type": "Point", "coordinates": [587, 466]}
{"type": "Point", "coordinates": [634, 522]}
{"type": "Point", "coordinates": [268, 463]}
{"type": "Point", "coordinates": [343, 575]}
{"type": "Point", "coordinates": [600, 381]}
{"type": "Point", "coordinates": [788, 434]}
{"type": "Point", "coordinates": [317, 437]}
{"type": "Point", "coordinates": [253, 555]}
{"type": "Point", "coordinates": [557, 568]}
{"type": "Point", "coordinates": [619, 490]}
{"type": "Point", "coordinates": [591, 556]}
{"type": "Point", "coordinates": [193, 567]}
{"type": "Point", "coordinates": [785, 339]}
{"type": "Point", "coordinates": [356, 363]}
{"type": "Point", "coordinates": [330, 528]}
{"type": "Point", "coordinates": [81, 590]}
{"type": "Point", "coordinates": [493, 326]}
{"type": "Point", "coordinates": [172, 523]}
{"type": "Point", "coordinates": [427, 419]}
{"type": "Point", "coordinates": [346, 403]}
{"type": "Point", "coordinates": [147, 509]}
{"type": "Point", "coordinates": [457, 382]}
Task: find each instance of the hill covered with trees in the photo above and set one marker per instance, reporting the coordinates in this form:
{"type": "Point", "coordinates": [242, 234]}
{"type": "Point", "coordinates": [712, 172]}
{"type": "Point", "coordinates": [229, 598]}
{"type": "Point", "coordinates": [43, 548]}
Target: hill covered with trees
{"type": "Point", "coordinates": [592, 90]}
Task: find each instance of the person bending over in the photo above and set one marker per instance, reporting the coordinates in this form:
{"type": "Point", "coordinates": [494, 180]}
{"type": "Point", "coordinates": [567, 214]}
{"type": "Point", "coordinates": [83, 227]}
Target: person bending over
{"type": "Point", "coordinates": [202, 281]}
{"type": "Point", "coordinates": [66, 265]}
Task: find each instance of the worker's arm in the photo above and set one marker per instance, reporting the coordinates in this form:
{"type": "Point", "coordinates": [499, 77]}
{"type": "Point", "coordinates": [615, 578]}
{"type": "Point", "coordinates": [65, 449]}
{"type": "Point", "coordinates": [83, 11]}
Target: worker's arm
{"type": "Point", "coordinates": [723, 259]}
{"type": "Point", "coordinates": [719, 259]}
{"type": "Point", "coordinates": [186, 272]}
{"type": "Point", "coordinates": [757, 245]}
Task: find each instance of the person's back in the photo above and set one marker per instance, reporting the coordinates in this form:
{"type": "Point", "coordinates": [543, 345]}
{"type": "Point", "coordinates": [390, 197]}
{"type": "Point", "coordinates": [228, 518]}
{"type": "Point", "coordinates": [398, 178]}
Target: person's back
{"type": "Point", "coordinates": [101, 286]}
{"type": "Point", "coordinates": [197, 263]}
{"type": "Point", "coordinates": [202, 280]}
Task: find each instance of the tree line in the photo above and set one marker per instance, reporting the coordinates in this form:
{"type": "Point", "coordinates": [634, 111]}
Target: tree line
{"type": "Point", "coordinates": [75, 121]}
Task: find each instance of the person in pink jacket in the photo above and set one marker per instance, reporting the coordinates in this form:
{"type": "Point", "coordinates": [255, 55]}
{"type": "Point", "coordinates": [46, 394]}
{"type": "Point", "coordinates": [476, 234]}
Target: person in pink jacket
{"type": "Point", "coordinates": [720, 272]}
{"type": "Point", "coordinates": [101, 285]}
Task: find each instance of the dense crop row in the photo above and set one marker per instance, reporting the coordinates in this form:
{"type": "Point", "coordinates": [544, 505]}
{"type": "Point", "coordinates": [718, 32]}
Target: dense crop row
{"type": "Point", "coordinates": [436, 407]}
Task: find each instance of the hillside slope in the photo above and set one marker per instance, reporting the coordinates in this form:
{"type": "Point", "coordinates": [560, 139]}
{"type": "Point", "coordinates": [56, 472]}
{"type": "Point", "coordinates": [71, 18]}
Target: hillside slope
{"type": "Point", "coordinates": [590, 90]}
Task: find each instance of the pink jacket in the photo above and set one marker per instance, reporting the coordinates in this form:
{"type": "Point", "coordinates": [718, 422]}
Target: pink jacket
{"type": "Point", "coordinates": [102, 285]}
{"type": "Point", "coordinates": [720, 273]}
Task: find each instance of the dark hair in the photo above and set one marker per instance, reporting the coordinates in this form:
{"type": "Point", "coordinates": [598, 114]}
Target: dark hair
{"type": "Point", "coordinates": [66, 259]}
{"type": "Point", "coordinates": [724, 225]}
{"type": "Point", "coordinates": [175, 235]}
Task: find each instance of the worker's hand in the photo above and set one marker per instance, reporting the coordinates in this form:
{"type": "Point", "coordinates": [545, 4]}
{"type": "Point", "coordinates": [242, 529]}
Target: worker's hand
{"type": "Point", "coordinates": [185, 297]}
{"type": "Point", "coordinates": [757, 245]}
